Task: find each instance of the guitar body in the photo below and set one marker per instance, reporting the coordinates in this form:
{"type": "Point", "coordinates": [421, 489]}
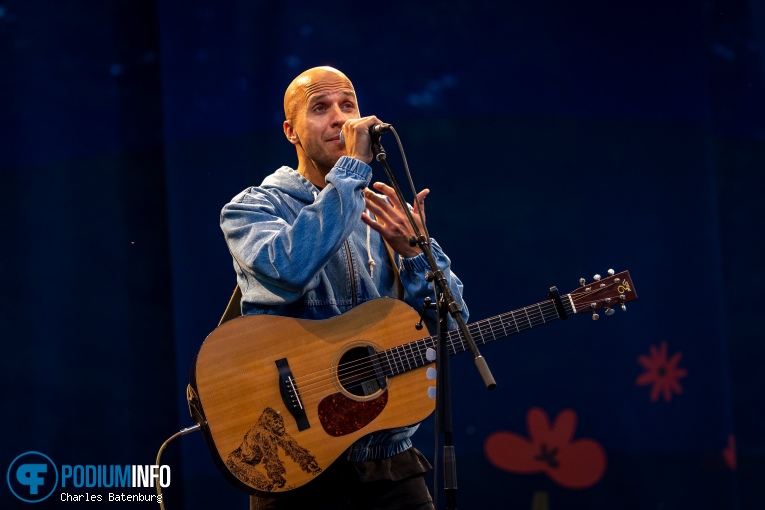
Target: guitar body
{"type": "Point", "coordinates": [277, 403]}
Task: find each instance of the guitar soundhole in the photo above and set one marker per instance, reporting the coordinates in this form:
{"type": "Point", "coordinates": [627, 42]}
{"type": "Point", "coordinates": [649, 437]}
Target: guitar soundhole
{"type": "Point", "coordinates": [359, 373]}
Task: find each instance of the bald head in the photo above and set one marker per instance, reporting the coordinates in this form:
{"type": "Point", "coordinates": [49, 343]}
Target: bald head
{"type": "Point", "coordinates": [308, 83]}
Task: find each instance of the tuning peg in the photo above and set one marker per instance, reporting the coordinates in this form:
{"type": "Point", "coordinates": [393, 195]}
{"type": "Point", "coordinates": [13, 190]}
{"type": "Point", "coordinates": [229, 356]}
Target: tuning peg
{"type": "Point", "coordinates": [582, 281]}
{"type": "Point", "coordinates": [609, 311]}
{"type": "Point", "coordinates": [431, 392]}
{"type": "Point", "coordinates": [596, 277]}
{"type": "Point", "coordinates": [430, 354]}
{"type": "Point", "coordinates": [624, 307]}
{"type": "Point", "coordinates": [595, 316]}
{"type": "Point", "coordinates": [430, 373]}
{"type": "Point", "coordinates": [611, 272]}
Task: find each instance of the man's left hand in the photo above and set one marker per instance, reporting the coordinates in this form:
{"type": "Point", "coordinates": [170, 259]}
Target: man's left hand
{"type": "Point", "coordinates": [390, 219]}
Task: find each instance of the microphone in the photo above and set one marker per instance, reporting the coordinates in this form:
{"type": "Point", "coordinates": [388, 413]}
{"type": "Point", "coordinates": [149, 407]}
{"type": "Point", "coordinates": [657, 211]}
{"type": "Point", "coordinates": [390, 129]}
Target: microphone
{"type": "Point", "coordinates": [374, 130]}
{"type": "Point", "coordinates": [379, 129]}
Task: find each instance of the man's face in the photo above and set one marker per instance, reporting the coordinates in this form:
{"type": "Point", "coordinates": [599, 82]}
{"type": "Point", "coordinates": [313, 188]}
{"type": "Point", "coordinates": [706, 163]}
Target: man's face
{"type": "Point", "coordinates": [322, 101]}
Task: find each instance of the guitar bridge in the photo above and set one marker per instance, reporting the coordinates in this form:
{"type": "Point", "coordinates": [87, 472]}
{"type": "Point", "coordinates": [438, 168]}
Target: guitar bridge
{"type": "Point", "coordinates": [291, 395]}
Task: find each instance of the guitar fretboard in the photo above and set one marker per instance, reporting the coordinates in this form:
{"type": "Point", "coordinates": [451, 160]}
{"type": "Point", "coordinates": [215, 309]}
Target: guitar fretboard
{"type": "Point", "coordinates": [413, 355]}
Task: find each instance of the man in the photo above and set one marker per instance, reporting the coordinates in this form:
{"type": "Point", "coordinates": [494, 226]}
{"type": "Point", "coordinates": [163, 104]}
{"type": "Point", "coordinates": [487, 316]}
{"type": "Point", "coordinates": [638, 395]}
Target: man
{"type": "Point", "coordinates": [311, 243]}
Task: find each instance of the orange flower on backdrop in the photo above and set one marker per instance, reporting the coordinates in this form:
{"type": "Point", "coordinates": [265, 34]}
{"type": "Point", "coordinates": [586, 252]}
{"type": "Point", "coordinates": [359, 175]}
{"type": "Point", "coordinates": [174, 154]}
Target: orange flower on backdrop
{"type": "Point", "coordinates": [575, 464]}
{"type": "Point", "coordinates": [729, 452]}
{"type": "Point", "coordinates": [661, 372]}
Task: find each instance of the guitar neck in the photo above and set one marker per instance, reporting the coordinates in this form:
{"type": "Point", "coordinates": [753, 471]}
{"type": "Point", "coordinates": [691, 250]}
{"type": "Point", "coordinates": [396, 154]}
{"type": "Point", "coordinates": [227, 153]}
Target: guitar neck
{"type": "Point", "coordinates": [413, 354]}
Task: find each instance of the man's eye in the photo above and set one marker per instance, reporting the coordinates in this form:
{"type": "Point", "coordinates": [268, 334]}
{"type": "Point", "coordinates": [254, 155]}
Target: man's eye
{"type": "Point", "coordinates": [319, 108]}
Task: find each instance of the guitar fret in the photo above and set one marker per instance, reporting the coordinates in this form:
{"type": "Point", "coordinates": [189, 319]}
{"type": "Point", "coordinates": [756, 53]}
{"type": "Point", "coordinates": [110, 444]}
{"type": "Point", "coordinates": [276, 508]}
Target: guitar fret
{"type": "Point", "coordinates": [408, 357]}
{"type": "Point", "coordinates": [389, 361]}
{"type": "Point", "coordinates": [502, 323]}
{"type": "Point", "coordinates": [420, 353]}
{"type": "Point", "coordinates": [424, 351]}
{"type": "Point", "coordinates": [540, 311]}
{"type": "Point", "coordinates": [492, 329]}
{"type": "Point", "coordinates": [396, 365]}
{"type": "Point", "coordinates": [413, 355]}
{"type": "Point", "coordinates": [450, 342]}
{"type": "Point", "coordinates": [499, 329]}
{"type": "Point", "coordinates": [481, 334]}
{"type": "Point", "coordinates": [387, 369]}
{"type": "Point", "coordinates": [462, 342]}
{"type": "Point", "coordinates": [475, 330]}
{"type": "Point", "coordinates": [515, 321]}
{"type": "Point", "coordinates": [526, 311]}
{"type": "Point", "coordinates": [394, 357]}
{"type": "Point", "coordinates": [554, 309]}
{"type": "Point", "coordinates": [378, 362]}
{"type": "Point", "coordinates": [400, 361]}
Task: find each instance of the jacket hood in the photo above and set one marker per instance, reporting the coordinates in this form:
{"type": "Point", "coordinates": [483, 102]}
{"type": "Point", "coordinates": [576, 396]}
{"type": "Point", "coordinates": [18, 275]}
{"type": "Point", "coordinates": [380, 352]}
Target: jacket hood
{"type": "Point", "coordinates": [291, 183]}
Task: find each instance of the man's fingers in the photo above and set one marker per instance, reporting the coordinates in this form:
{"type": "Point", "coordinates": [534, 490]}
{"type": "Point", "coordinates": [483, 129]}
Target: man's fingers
{"type": "Point", "coordinates": [366, 218]}
{"type": "Point", "coordinates": [375, 203]}
{"type": "Point", "coordinates": [421, 200]}
{"type": "Point", "coordinates": [391, 193]}
{"type": "Point", "coordinates": [390, 218]}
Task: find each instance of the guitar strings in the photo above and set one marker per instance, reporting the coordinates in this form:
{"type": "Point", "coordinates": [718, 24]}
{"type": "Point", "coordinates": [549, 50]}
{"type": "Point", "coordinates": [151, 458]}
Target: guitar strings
{"type": "Point", "coordinates": [413, 359]}
{"type": "Point", "coordinates": [412, 355]}
{"type": "Point", "coordinates": [499, 326]}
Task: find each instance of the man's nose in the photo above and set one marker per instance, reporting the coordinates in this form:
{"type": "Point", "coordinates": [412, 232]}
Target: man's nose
{"type": "Point", "coordinates": [338, 117]}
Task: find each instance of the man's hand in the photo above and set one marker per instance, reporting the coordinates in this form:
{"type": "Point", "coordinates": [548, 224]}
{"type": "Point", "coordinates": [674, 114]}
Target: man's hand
{"type": "Point", "coordinates": [358, 141]}
{"type": "Point", "coordinates": [390, 218]}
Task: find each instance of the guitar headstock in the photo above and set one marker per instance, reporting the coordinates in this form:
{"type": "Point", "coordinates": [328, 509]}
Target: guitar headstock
{"type": "Point", "coordinates": [615, 290]}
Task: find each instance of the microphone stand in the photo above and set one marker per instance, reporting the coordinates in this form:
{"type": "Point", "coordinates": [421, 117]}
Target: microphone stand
{"type": "Point", "coordinates": [445, 303]}
{"type": "Point", "coordinates": [444, 409]}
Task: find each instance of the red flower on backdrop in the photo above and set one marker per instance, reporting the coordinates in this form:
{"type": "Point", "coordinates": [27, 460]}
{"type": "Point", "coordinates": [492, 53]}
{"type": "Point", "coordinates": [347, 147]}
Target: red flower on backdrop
{"type": "Point", "coordinates": [575, 464]}
{"type": "Point", "coordinates": [729, 452]}
{"type": "Point", "coordinates": [663, 373]}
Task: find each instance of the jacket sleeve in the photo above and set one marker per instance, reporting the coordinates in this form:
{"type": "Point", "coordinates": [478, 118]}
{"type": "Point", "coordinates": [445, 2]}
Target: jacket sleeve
{"type": "Point", "coordinates": [416, 288]}
{"type": "Point", "coordinates": [274, 250]}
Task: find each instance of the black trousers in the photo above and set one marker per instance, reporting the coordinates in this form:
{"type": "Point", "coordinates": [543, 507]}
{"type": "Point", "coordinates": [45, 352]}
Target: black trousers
{"type": "Point", "coordinates": [339, 488]}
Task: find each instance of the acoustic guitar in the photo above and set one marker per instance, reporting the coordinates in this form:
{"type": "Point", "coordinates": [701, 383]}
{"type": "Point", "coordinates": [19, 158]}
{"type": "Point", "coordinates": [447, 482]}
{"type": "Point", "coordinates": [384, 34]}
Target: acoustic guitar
{"type": "Point", "coordinates": [279, 399]}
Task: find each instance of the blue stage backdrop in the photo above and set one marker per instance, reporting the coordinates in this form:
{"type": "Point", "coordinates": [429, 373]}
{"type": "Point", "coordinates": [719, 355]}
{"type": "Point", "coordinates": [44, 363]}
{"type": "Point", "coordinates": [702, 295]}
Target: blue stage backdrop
{"type": "Point", "coordinates": [559, 140]}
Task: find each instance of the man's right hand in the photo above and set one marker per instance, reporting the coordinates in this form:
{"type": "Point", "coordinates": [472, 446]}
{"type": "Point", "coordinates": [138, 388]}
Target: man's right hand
{"type": "Point", "coordinates": [358, 141]}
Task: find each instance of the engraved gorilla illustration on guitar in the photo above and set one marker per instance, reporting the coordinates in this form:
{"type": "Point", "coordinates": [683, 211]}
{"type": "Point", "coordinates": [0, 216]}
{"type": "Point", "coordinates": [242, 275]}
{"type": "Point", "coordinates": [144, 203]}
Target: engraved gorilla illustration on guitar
{"type": "Point", "coordinates": [260, 448]}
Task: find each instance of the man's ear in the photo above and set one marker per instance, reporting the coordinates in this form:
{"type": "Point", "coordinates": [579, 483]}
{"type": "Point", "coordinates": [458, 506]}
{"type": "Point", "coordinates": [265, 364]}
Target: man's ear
{"type": "Point", "coordinates": [290, 133]}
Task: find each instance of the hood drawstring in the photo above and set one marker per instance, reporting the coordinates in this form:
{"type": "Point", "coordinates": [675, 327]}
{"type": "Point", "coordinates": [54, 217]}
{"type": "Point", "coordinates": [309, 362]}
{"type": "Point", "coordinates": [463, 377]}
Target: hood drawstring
{"type": "Point", "coordinates": [370, 260]}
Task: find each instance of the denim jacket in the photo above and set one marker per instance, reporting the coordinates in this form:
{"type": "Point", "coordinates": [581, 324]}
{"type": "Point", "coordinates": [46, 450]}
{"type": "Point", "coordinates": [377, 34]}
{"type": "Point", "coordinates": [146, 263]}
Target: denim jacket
{"type": "Point", "coordinates": [302, 252]}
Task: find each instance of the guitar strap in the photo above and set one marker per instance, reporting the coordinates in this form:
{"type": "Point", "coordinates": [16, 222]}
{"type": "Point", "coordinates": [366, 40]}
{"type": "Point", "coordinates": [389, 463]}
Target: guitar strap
{"type": "Point", "coordinates": [234, 306]}
{"type": "Point", "coordinates": [396, 274]}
